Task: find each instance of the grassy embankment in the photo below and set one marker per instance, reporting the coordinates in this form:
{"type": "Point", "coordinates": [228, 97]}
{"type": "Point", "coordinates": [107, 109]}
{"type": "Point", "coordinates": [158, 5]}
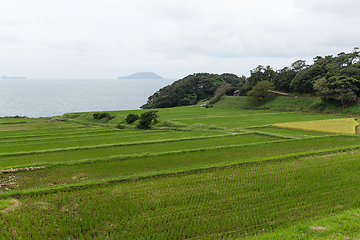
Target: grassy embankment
{"type": "Point", "coordinates": [205, 173]}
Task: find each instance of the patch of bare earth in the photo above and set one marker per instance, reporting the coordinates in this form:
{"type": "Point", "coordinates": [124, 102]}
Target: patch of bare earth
{"type": "Point", "coordinates": [12, 170]}
{"type": "Point", "coordinates": [318, 228]}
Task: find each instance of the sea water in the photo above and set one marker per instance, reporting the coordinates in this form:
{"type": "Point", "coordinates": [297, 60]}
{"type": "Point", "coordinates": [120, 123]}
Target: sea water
{"type": "Point", "coordinates": [44, 98]}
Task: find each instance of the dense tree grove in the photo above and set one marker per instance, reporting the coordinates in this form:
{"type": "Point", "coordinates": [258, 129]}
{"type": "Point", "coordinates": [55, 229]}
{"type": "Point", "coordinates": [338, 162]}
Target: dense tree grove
{"type": "Point", "coordinates": [332, 78]}
{"type": "Point", "coordinates": [192, 89]}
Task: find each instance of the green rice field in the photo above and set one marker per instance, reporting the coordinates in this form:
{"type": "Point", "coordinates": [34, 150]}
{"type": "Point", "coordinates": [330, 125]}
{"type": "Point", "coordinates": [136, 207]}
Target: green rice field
{"type": "Point", "coordinates": [199, 173]}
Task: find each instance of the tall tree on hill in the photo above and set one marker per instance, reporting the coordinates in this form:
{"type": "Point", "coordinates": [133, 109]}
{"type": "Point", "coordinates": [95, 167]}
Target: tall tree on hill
{"type": "Point", "coordinates": [341, 80]}
{"type": "Point", "coordinates": [328, 67]}
{"type": "Point", "coordinates": [305, 79]}
{"type": "Point", "coordinates": [260, 73]}
{"type": "Point", "coordinates": [283, 77]}
{"type": "Point", "coordinates": [234, 80]}
{"type": "Point", "coordinates": [351, 71]}
{"type": "Point", "coordinates": [344, 89]}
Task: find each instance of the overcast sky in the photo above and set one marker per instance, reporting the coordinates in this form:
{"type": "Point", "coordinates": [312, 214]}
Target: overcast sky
{"type": "Point", "coordinates": [107, 39]}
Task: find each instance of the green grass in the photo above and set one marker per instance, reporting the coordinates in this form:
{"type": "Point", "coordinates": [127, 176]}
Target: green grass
{"type": "Point", "coordinates": [15, 120]}
{"type": "Point", "coordinates": [35, 125]}
{"type": "Point", "coordinates": [115, 137]}
{"type": "Point", "coordinates": [122, 166]}
{"type": "Point", "coordinates": [105, 151]}
{"type": "Point", "coordinates": [31, 131]}
{"type": "Point", "coordinates": [189, 177]}
{"type": "Point", "coordinates": [345, 225]}
{"type": "Point", "coordinates": [352, 110]}
{"type": "Point", "coordinates": [232, 202]}
{"type": "Point", "coordinates": [235, 119]}
{"type": "Point", "coordinates": [289, 104]}
{"type": "Point", "coordinates": [4, 204]}
{"type": "Point", "coordinates": [196, 117]}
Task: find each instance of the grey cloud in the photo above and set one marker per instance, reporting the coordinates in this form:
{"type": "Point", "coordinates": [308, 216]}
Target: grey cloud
{"type": "Point", "coordinates": [172, 38]}
{"type": "Point", "coordinates": [344, 8]}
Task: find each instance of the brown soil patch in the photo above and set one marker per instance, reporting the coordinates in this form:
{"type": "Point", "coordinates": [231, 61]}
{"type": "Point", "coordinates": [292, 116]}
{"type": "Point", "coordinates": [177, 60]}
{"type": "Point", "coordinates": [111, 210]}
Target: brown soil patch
{"type": "Point", "coordinates": [11, 170]}
{"type": "Point", "coordinates": [318, 228]}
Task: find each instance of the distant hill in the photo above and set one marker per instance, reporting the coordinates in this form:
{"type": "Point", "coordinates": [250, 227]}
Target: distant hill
{"type": "Point", "coordinates": [6, 77]}
{"type": "Point", "coordinates": [142, 75]}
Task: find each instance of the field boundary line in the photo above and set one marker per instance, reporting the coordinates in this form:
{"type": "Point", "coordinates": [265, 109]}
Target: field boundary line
{"type": "Point", "coordinates": [6, 123]}
{"type": "Point", "coordinates": [76, 136]}
{"type": "Point", "coordinates": [55, 134]}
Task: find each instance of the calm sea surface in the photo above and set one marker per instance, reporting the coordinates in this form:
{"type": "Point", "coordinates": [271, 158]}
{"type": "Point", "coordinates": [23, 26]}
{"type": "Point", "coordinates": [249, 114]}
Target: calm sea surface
{"type": "Point", "coordinates": [44, 98]}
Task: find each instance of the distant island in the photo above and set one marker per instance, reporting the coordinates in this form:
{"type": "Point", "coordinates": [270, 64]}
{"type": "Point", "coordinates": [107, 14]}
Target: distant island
{"type": "Point", "coordinates": [6, 77]}
{"type": "Point", "coordinates": [142, 75]}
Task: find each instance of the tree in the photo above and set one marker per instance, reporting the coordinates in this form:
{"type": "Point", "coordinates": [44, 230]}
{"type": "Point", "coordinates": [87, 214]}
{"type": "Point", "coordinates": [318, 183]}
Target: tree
{"type": "Point", "coordinates": [298, 66]}
{"type": "Point", "coordinates": [234, 80]}
{"type": "Point", "coordinates": [260, 73]}
{"type": "Point", "coordinates": [346, 96]}
{"type": "Point", "coordinates": [344, 89]}
{"type": "Point", "coordinates": [147, 119]}
{"type": "Point", "coordinates": [304, 80]}
{"type": "Point", "coordinates": [351, 71]}
{"type": "Point", "coordinates": [320, 86]}
{"type": "Point", "coordinates": [260, 93]}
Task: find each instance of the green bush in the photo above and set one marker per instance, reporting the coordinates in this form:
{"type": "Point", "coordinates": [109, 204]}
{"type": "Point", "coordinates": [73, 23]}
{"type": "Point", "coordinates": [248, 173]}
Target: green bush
{"type": "Point", "coordinates": [102, 115]}
{"type": "Point", "coordinates": [147, 119]}
{"type": "Point", "coordinates": [208, 106]}
{"type": "Point", "coordinates": [131, 118]}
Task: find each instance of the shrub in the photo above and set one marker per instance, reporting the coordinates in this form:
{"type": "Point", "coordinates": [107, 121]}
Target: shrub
{"type": "Point", "coordinates": [102, 115]}
{"type": "Point", "coordinates": [131, 118]}
{"type": "Point", "coordinates": [106, 116]}
{"type": "Point", "coordinates": [208, 106]}
{"type": "Point", "coordinates": [147, 119]}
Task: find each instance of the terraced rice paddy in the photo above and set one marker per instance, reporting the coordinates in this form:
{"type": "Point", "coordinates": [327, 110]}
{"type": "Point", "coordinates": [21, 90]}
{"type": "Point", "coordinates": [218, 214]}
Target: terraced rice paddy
{"type": "Point", "coordinates": [345, 126]}
{"type": "Point", "coordinates": [222, 174]}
